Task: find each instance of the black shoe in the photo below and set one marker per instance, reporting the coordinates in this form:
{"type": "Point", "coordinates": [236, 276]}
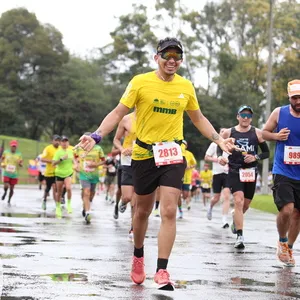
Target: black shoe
{"type": "Point", "coordinates": [3, 197]}
{"type": "Point", "coordinates": [226, 225]}
{"type": "Point", "coordinates": [83, 213]}
{"type": "Point", "coordinates": [116, 213]}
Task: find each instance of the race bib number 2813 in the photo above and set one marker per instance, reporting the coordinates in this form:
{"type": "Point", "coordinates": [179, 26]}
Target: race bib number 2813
{"type": "Point", "coordinates": [167, 153]}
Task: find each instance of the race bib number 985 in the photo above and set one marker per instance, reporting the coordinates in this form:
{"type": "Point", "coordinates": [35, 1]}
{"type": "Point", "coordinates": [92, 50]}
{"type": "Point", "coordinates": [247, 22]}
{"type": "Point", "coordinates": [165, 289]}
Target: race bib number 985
{"type": "Point", "coordinates": [167, 153]}
{"type": "Point", "coordinates": [292, 155]}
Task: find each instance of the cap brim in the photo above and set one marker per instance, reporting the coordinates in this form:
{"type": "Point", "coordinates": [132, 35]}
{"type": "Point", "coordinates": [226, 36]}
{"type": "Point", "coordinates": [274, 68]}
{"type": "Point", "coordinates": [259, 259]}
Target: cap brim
{"type": "Point", "coordinates": [294, 94]}
{"type": "Point", "coordinates": [245, 108]}
{"type": "Point", "coordinates": [170, 44]}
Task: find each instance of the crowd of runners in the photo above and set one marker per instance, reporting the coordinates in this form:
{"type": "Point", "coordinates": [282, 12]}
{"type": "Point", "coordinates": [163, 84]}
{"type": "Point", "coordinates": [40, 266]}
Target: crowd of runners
{"type": "Point", "coordinates": [151, 169]}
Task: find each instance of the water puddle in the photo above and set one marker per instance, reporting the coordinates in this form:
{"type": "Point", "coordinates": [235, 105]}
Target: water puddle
{"type": "Point", "coordinates": [25, 240]}
{"type": "Point", "coordinates": [17, 298]}
{"type": "Point", "coordinates": [11, 230]}
{"type": "Point", "coordinates": [161, 297]}
{"type": "Point", "coordinates": [68, 277]}
{"type": "Point", "coordinates": [12, 225]}
{"type": "Point", "coordinates": [7, 256]}
{"type": "Point", "coordinates": [284, 286]}
{"type": "Point", "coordinates": [25, 215]}
{"type": "Point", "coordinates": [20, 215]}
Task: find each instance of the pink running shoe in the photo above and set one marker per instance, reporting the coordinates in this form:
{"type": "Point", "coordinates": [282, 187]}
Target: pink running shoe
{"type": "Point", "coordinates": [137, 271]}
{"type": "Point", "coordinates": [162, 278]}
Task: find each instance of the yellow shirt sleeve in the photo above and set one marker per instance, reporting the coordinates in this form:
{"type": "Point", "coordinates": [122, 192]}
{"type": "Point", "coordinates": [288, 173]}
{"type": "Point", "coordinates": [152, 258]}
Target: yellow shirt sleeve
{"type": "Point", "coordinates": [45, 153]}
{"type": "Point", "coordinates": [130, 95]}
{"type": "Point", "coordinates": [193, 160]}
{"type": "Point", "coordinates": [193, 102]}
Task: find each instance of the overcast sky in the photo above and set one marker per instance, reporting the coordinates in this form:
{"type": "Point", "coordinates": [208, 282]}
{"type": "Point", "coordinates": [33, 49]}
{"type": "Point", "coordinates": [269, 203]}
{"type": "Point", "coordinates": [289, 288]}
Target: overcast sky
{"type": "Point", "coordinates": [84, 24]}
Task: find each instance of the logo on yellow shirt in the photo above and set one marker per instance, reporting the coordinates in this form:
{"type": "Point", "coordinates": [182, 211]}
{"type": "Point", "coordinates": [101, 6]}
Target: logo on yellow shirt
{"type": "Point", "coordinates": [168, 111]}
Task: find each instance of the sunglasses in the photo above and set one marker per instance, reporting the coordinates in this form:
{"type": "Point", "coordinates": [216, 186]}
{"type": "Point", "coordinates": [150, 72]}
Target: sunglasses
{"type": "Point", "coordinates": [168, 55]}
{"type": "Point", "coordinates": [245, 115]}
{"type": "Point", "coordinates": [295, 97]}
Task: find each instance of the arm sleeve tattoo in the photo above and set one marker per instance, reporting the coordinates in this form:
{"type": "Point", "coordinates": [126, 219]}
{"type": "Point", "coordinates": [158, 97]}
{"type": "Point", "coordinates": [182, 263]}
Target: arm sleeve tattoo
{"type": "Point", "coordinates": [215, 137]}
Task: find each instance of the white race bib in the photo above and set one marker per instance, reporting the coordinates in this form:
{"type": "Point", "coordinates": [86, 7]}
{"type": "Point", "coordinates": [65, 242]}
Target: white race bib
{"type": "Point", "coordinates": [10, 168]}
{"type": "Point", "coordinates": [125, 160]}
{"type": "Point", "coordinates": [292, 155]}
{"type": "Point", "coordinates": [205, 185]}
{"type": "Point", "coordinates": [86, 167]}
{"type": "Point", "coordinates": [111, 169]}
{"type": "Point", "coordinates": [167, 153]}
{"type": "Point", "coordinates": [247, 175]}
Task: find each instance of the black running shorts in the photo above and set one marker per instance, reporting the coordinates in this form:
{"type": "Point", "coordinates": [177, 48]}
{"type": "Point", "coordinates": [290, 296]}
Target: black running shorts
{"type": "Point", "coordinates": [205, 190]}
{"type": "Point", "coordinates": [286, 190]}
{"type": "Point", "coordinates": [126, 178]}
{"type": "Point", "coordinates": [119, 176]}
{"type": "Point", "coordinates": [236, 185]}
{"type": "Point", "coordinates": [220, 181]}
{"type": "Point", "coordinates": [57, 178]}
{"type": "Point", "coordinates": [147, 176]}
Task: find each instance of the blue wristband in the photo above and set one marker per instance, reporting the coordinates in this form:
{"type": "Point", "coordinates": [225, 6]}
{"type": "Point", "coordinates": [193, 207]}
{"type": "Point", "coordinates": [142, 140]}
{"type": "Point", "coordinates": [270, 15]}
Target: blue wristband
{"type": "Point", "coordinates": [96, 137]}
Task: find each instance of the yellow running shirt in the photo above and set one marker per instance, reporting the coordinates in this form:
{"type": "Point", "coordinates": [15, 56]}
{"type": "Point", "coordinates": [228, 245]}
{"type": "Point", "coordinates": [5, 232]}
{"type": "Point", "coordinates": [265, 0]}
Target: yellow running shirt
{"type": "Point", "coordinates": [131, 136]}
{"type": "Point", "coordinates": [190, 161]}
{"type": "Point", "coordinates": [206, 178]}
{"type": "Point", "coordinates": [160, 107]}
{"type": "Point", "coordinates": [48, 153]}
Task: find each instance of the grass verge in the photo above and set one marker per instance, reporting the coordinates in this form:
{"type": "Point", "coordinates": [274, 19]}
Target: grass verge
{"type": "Point", "coordinates": [264, 203]}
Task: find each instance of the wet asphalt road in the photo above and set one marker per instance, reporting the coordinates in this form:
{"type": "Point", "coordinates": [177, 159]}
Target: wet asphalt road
{"type": "Point", "coordinates": [47, 258]}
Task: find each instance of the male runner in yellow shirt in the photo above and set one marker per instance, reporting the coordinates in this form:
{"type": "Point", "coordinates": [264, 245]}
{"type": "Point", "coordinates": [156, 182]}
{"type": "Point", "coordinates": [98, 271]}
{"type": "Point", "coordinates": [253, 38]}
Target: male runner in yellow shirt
{"type": "Point", "coordinates": [47, 157]}
{"type": "Point", "coordinates": [160, 97]}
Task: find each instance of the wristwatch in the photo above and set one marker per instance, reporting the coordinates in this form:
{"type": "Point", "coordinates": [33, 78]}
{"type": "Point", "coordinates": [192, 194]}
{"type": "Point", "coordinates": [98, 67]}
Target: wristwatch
{"type": "Point", "coordinates": [257, 157]}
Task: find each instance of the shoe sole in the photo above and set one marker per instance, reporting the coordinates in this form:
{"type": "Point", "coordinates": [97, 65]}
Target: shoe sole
{"type": "Point", "coordinates": [285, 264]}
{"type": "Point", "coordinates": [240, 246]}
{"type": "Point", "coordinates": [225, 226]}
{"type": "Point", "coordinates": [166, 287]}
{"type": "Point", "coordinates": [88, 219]}
{"type": "Point", "coordinates": [138, 282]}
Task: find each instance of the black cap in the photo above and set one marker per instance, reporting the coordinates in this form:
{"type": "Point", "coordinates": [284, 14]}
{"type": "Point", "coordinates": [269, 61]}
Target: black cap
{"type": "Point", "coordinates": [169, 43]}
{"type": "Point", "coordinates": [64, 138]}
{"type": "Point", "coordinates": [245, 107]}
{"type": "Point", "coordinates": [56, 137]}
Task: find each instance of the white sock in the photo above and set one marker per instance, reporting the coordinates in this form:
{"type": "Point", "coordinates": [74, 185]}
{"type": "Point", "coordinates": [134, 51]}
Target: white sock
{"type": "Point", "coordinates": [224, 219]}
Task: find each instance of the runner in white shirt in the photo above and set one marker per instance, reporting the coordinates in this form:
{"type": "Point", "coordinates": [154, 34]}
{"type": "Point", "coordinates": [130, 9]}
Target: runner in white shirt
{"type": "Point", "coordinates": [41, 167]}
{"type": "Point", "coordinates": [219, 181]}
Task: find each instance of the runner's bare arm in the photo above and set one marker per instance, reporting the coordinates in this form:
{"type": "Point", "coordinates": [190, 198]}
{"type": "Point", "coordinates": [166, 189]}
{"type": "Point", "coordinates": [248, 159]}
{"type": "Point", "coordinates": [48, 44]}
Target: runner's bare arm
{"type": "Point", "coordinates": [120, 134]}
{"type": "Point", "coordinates": [205, 127]}
{"type": "Point", "coordinates": [112, 119]}
{"type": "Point", "coordinates": [108, 124]}
{"type": "Point", "coordinates": [271, 124]}
{"type": "Point", "coordinates": [115, 151]}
